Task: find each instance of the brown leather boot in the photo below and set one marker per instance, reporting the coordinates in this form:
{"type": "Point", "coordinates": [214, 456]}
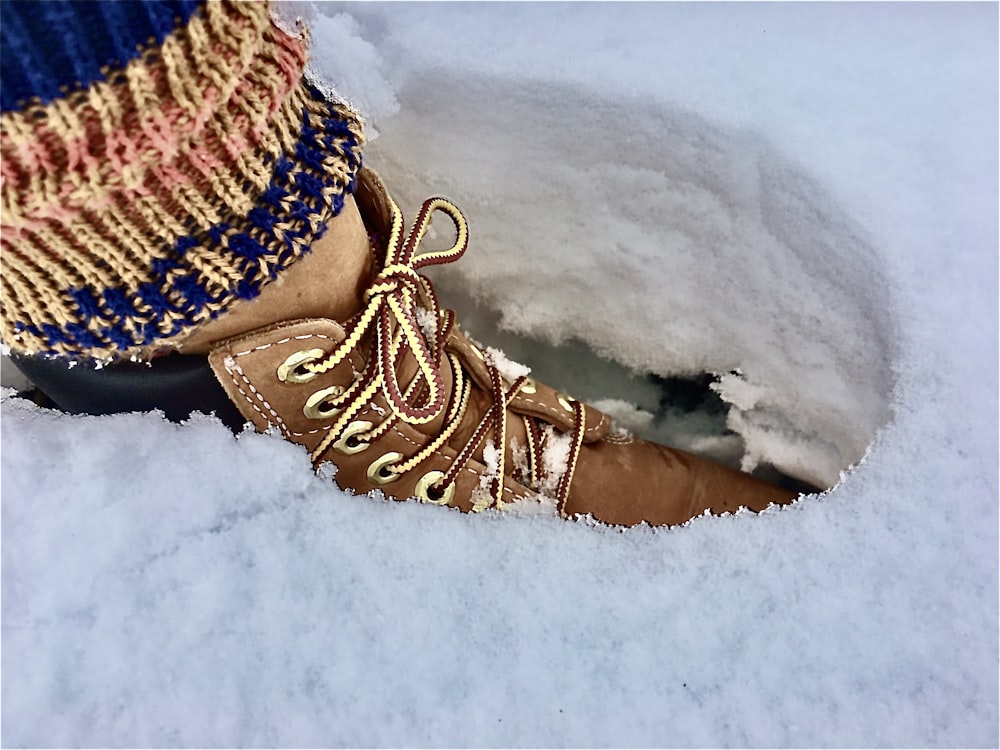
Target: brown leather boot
{"type": "Point", "coordinates": [400, 400]}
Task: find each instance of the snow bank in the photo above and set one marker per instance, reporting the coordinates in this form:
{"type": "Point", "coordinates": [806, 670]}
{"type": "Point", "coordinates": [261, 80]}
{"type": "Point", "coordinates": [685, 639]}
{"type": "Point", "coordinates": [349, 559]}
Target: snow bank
{"type": "Point", "coordinates": [803, 193]}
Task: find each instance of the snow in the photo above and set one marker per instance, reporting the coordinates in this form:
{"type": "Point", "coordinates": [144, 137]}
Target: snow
{"type": "Point", "coordinates": [508, 369]}
{"type": "Point", "coordinates": [801, 198]}
{"type": "Point", "coordinates": [554, 460]}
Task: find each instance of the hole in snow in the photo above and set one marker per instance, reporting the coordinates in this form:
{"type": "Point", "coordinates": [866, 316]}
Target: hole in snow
{"type": "Point", "coordinates": [609, 240]}
{"type": "Point", "coordinates": [684, 412]}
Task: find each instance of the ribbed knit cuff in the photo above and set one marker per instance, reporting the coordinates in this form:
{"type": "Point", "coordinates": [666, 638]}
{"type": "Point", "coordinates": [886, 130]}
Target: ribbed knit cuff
{"type": "Point", "coordinates": [145, 203]}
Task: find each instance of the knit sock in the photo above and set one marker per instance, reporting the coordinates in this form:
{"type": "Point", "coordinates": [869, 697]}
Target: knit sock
{"type": "Point", "coordinates": [165, 162]}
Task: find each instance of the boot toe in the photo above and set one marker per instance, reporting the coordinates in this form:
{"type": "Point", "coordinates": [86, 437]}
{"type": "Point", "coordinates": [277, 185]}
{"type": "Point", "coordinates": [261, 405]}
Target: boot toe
{"type": "Point", "coordinates": [627, 482]}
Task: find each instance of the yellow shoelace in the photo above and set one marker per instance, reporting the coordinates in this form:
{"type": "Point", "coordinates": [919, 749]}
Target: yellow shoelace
{"type": "Point", "coordinates": [402, 310]}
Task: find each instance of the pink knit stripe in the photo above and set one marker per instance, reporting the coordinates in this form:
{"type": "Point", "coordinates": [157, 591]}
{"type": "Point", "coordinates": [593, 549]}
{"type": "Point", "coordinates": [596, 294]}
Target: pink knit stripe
{"type": "Point", "coordinates": [200, 163]}
{"type": "Point", "coordinates": [70, 160]}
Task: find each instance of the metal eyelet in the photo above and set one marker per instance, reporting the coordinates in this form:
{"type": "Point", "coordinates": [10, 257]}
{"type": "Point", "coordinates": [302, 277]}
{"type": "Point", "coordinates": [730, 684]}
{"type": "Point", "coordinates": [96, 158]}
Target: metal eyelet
{"type": "Point", "coordinates": [348, 444]}
{"type": "Point", "coordinates": [565, 401]}
{"type": "Point", "coordinates": [529, 386]}
{"type": "Point", "coordinates": [377, 474]}
{"type": "Point", "coordinates": [316, 406]}
{"type": "Point", "coordinates": [426, 492]}
{"type": "Point", "coordinates": [291, 371]}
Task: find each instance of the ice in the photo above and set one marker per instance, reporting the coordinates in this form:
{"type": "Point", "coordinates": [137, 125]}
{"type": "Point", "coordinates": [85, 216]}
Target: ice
{"type": "Point", "coordinates": [801, 198]}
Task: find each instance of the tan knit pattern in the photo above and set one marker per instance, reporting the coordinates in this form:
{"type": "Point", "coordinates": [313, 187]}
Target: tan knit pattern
{"type": "Point", "coordinates": [98, 185]}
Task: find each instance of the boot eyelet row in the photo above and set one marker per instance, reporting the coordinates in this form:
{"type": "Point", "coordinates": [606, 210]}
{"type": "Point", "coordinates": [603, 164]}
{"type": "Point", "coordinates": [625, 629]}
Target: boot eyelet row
{"type": "Point", "coordinates": [317, 407]}
{"type": "Point", "coordinates": [427, 492]}
{"type": "Point", "coordinates": [565, 401]}
{"type": "Point", "coordinates": [348, 444]}
{"type": "Point", "coordinates": [378, 470]}
{"type": "Point", "coordinates": [529, 386]}
{"type": "Point", "coordinates": [292, 370]}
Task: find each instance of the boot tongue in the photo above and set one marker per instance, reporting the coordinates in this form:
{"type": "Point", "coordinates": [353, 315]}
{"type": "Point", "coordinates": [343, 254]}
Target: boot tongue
{"type": "Point", "coordinates": [328, 282]}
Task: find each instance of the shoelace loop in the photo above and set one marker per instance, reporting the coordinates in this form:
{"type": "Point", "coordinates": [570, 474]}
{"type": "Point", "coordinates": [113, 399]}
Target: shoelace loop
{"type": "Point", "coordinates": [391, 301]}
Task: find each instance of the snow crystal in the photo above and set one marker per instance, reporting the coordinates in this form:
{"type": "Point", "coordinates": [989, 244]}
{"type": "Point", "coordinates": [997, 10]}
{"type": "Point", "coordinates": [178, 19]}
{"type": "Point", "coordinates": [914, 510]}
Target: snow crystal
{"type": "Point", "coordinates": [428, 323]}
{"type": "Point", "coordinates": [509, 369]}
{"type": "Point", "coordinates": [327, 470]}
{"type": "Point", "coordinates": [554, 459]}
{"type": "Point", "coordinates": [519, 457]}
{"type": "Point", "coordinates": [491, 460]}
{"type": "Point", "coordinates": [803, 192]}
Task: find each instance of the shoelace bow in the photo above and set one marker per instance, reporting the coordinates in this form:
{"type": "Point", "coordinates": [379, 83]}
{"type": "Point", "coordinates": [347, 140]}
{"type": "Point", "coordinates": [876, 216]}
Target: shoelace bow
{"type": "Point", "coordinates": [403, 309]}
